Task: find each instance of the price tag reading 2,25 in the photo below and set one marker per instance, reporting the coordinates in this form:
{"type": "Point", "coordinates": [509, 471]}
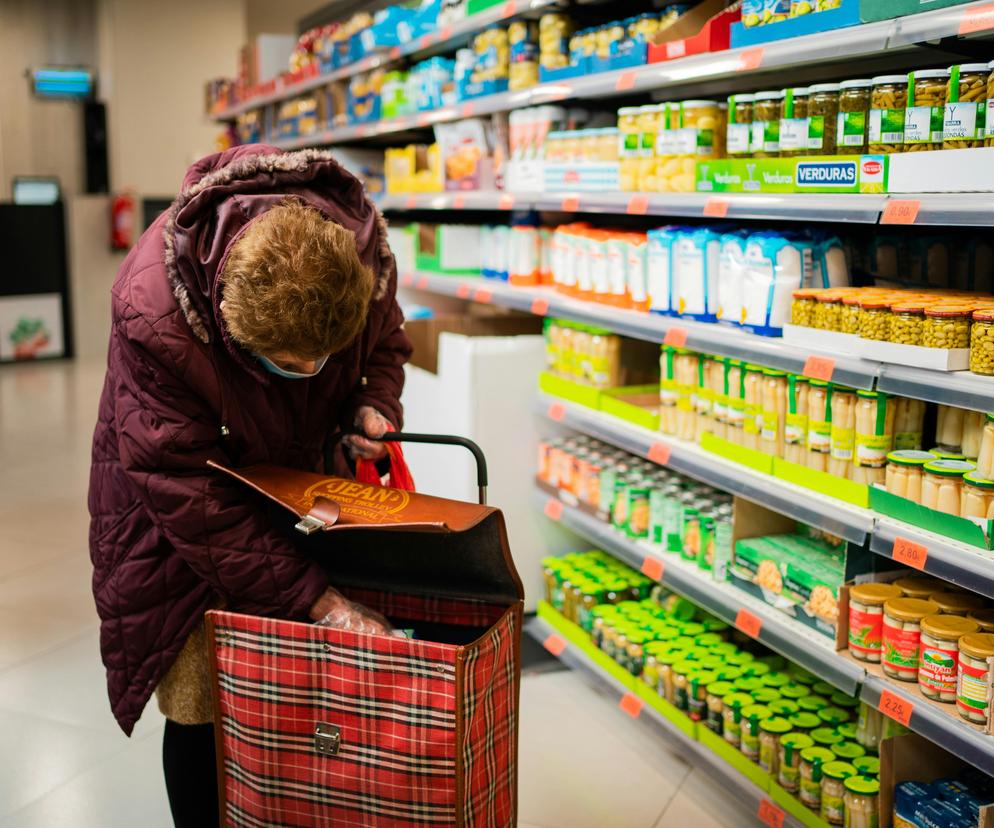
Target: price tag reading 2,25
{"type": "Point", "coordinates": [898, 708]}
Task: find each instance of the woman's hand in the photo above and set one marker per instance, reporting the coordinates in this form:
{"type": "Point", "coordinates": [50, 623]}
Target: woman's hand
{"type": "Point", "coordinates": [333, 609]}
{"type": "Point", "coordinates": [373, 424]}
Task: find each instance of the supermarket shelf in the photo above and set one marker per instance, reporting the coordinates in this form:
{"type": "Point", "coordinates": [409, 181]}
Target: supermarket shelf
{"type": "Point", "coordinates": [812, 651]}
{"type": "Point", "coordinates": [849, 522]}
{"type": "Point", "coordinates": [704, 337]}
{"type": "Point", "coordinates": [970, 18]}
{"type": "Point", "coordinates": [444, 39]}
{"type": "Point", "coordinates": [937, 723]}
{"type": "Point", "coordinates": [469, 200]}
{"type": "Point", "coordinates": [964, 565]}
{"type": "Point", "coordinates": [744, 791]}
{"type": "Point", "coordinates": [952, 209]}
{"type": "Point", "coordinates": [959, 388]}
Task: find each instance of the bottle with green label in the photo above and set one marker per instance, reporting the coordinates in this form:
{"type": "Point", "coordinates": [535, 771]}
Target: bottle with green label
{"type": "Point", "coordinates": [926, 109]}
{"type": "Point", "coordinates": [888, 100]}
{"type": "Point", "coordinates": [854, 106]}
{"type": "Point", "coordinates": [966, 107]}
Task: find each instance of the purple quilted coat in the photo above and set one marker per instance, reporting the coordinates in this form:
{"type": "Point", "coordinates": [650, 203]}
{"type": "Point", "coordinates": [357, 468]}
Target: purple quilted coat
{"type": "Point", "coordinates": [167, 535]}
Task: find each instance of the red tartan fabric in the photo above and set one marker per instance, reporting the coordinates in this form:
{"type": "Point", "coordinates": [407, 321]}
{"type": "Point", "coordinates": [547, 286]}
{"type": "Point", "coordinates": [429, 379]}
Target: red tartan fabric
{"type": "Point", "coordinates": [465, 612]}
{"type": "Point", "coordinates": [393, 699]}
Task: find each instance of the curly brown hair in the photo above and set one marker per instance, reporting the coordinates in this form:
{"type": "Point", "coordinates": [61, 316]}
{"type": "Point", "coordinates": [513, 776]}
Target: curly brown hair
{"type": "Point", "coordinates": [293, 283]}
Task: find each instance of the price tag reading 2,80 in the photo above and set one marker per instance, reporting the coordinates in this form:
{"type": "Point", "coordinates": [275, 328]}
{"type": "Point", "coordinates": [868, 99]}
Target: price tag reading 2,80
{"type": "Point", "coordinates": [770, 814]}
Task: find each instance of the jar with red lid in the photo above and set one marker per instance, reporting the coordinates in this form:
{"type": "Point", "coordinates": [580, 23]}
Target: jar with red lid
{"type": "Point", "coordinates": [907, 319]}
{"type": "Point", "coordinates": [982, 342]}
{"type": "Point", "coordinates": [947, 326]}
{"type": "Point", "coordinates": [874, 319]}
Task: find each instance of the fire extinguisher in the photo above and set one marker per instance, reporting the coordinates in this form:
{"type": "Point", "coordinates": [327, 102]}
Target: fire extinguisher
{"type": "Point", "coordinates": [122, 221]}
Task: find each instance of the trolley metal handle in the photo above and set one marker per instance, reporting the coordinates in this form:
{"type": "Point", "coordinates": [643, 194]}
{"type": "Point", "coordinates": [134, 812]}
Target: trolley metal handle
{"type": "Point", "coordinates": [433, 439]}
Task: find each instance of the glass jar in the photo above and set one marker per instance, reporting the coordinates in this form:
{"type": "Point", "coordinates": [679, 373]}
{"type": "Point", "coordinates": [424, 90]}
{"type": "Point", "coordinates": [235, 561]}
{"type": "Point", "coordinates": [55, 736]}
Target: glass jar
{"type": "Point", "coordinates": [716, 692]}
{"type": "Point", "coordinates": [989, 118]}
{"type": "Point", "coordinates": [940, 635]}
{"type": "Point", "coordinates": [736, 402]}
{"type": "Point", "coordinates": [947, 326]}
{"type": "Point", "coordinates": [848, 750]}
{"type": "Point", "coordinates": [840, 462]}
{"type": "Point", "coordinates": [907, 320]}
{"type": "Point", "coordinates": [949, 430]}
{"type": "Point", "coordinates": [861, 800]}
{"type": "Point", "coordinates": [805, 720]}
{"type": "Point", "coordinates": [984, 619]}
{"type": "Point", "coordinates": [982, 342]}
{"type": "Point", "coordinates": [833, 791]}
{"type": "Point", "coordinates": [813, 759]}
{"type": "Point", "coordinates": [771, 730]}
{"type": "Point", "coordinates": [851, 313]}
{"type": "Point", "coordinates": [749, 739]}
{"type": "Point", "coordinates": [823, 112]}
{"type": "Point", "coordinates": [966, 106]}
{"type": "Point", "coordinates": [926, 110]}
{"type": "Point", "coordinates": [888, 99]}
{"type": "Point", "coordinates": [874, 436]}
{"type": "Point", "coordinates": [752, 424]}
{"type": "Point", "coordinates": [664, 666]}
{"type": "Point", "coordinates": [854, 104]}
{"type": "Point", "coordinates": [973, 431]}
{"type": "Point", "coordinates": [905, 469]}
{"type": "Point", "coordinates": [958, 603]}
{"type": "Point", "coordinates": [909, 419]}
{"type": "Point", "coordinates": [819, 440]}
{"type": "Point", "coordinates": [794, 122]}
{"type": "Point", "coordinates": [629, 137]}
{"type": "Point", "coordinates": [732, 706]}
{"type": "Point", "coordinates": [739, 130]}
{"type": "Point", "coordinates": [789, 759]}
{"type": "Point", "coordinates": [901, 639]}
{"type": "Point", "coordinates": [765, 142]}
{"type": "Point", "coordinates": [919, 587]}
{"type": "Point", "coordinates": [973, 686]}
{"type": "Point", "coordinates": [828, 311]}
{"type": "Point", "coordinates": [796, 420]}
{"type": "Point", "coordinates": [802, 306]}
{"type": "Point", "coordinates": [697, 693]}
{"type": "Point", "coordinates": [649, 118]}
{"type": "Point", "coordinates": [874, 319]}
{"type": "Point", "coordinates": [703, 133]}
{"type": "Point", "coordinates": [985, 461]}
{"type": "Point", "coordinates": [774, 414]}
{"type": "Point", "coordinates": [686, 366]}
{"type": "Point", "coordinates": [866, 618]}
{"type": "Point", "coordinates": [942, 488]}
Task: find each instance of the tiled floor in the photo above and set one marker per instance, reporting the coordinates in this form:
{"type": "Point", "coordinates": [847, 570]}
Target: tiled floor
{"type": "Point", "coordinates": [63, 761]}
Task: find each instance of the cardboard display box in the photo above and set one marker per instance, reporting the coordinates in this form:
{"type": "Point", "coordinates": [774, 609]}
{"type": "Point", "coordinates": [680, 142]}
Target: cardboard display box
{"type": "Point", "coordinates": [942, 171]}
{"type": "Point", "coordinates": [424, 333]}
{"type": "Point", "coordinates": [964, 530]}
{"type": "Point", "coordinates": [814, 174]}
{"type": "Point", "coordinates": [448, 248]}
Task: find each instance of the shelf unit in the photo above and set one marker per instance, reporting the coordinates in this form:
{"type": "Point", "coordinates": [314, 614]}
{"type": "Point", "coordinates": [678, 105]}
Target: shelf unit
{"type": "Point", "coordinates": [750, 795]}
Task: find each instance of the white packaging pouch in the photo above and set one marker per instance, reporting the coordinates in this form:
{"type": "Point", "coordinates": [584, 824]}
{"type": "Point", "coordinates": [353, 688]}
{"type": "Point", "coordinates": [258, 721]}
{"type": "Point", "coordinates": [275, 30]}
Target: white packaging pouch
{"type": "Point", "coordinates": [731, 274]}
{"type": "Point", "coordinates": [659, 271]}
{"type": "Point", "coordinates": [775, 266]}
{"type": "Point", "coordinates": [695, 259]}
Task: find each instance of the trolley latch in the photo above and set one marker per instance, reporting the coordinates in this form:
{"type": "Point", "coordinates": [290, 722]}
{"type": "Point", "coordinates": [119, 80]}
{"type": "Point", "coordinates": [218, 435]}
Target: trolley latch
{"type": "Point", "coordinates": [327, 739]}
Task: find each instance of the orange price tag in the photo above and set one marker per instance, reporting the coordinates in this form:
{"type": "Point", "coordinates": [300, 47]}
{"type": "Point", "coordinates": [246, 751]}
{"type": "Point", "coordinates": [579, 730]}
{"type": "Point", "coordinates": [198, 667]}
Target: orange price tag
{"type": "Point", "coordinates": [422, 283]}
{"type": "Point", "coordinates": [820, 368]}
{"type": "Point", "coordinates": [445, 34]}
{"type": "Point", "coordinates": [770, 814]}
{"type": "Point", "coordinates": [505, 202]}
{"type": "Point", "coordinates": [638, 205]}
{"type": "Point", "coordinates": [458, 202]}
{"type": "Point", "coordinates": [631, 704]}
{"type": "Point", "coordinates": [425, 42]}
{"type": "Point", "coordinates": [570, 204]}
{"type": "Point", "coordinates": [626, 80]}
{"type": "Point", "coordinates": [555, 644]}
{"type": "Point", "coordinates": [751, 59]}
{"type": "Point", "coordinates": [716, 207]}
{"type": "Point", "coordinates": [540, 306]}
{"type": "Point", "coordinates": [395, 53]}
{"type": "Point", "coordinates": [900, 211]}
{"type": "Point", "coordinates": [748, 623]}
{"type": "Point", "coordinates": [467, 110]}
{"type": "Point", "coordinates": [408, 279]}
{"type": "Point", "coordinates": [424, 119]}
{"type": "Point", "coordinates": [553, 509]}
{"type": "Point", "coordinates": [360, 131]}
{"type": "Point", "coordinates": [676, 49]}
{"type": "Point", "coordinates": [677, 337]}
{"type": "Point", "coordinates": [463, 291]}
{"type": "Point", "coordinates": [660, 453]}
{"type": "Point", "coordinates": [977, 20]}
{"type": "Point", "coordinates": [899, 709]}
{"type": "Point", "coordinates": [652, 567]}
{"type": "Point", "coordinates": [510, 9]}
{"type": "Point", "coordinates": [557, 411]}
{"type": "Point", "coordinates": [483, 295]}
{"type": "Point", "coordinates": [410, 202]}
{"type": "Point", "coordinates": [910, 553]}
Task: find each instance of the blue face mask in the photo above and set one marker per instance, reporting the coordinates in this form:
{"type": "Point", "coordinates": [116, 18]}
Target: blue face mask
{"type": "Point", "coordinates": [273, 368]}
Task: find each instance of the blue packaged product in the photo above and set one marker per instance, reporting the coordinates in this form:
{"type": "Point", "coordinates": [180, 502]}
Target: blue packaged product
{"type": "Point", "coordinates": [752, 12]}
{"type": "Point", "coordinates": [731, 276]}
{"type": "Point", "coordinates": [939, 814]}
{"type": "Point", "coordinates": [659, 268]}
{"type": "Point", "coordinates": [776, 264]}
{"type": "Point", "coordinates": [908, 796]}
{"type": "Point", "coordinates": [694, 266]}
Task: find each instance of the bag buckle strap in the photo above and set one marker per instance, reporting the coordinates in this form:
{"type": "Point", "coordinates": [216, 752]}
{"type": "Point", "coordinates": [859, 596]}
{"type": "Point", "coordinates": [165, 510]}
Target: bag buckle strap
{"type": "Point", "coordinates": [323, 515]}
{"type": "Point", "coordinates": [327, 739]}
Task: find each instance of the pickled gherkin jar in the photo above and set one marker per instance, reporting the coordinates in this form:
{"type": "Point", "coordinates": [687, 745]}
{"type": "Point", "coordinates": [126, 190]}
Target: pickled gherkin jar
{"type": "Point", "coordinates": [739, 130]}
{"type": "Point", "coordinates": [765, 140]}
{"type": "Point", "coordinates": [794, 122]}
{"type": "Point", "coordinates": [966, 107]}
{"type": "Point", "coordinates": [854, 106]}
{"type": "Point", "coordinates": [989, 118]}
{"type": "Point", "coordinates": [888, 99]}
{"type": "Point", "coordinates": [926, 109]}
{"type": "Point", "coordinates": [823, 111]}
{"type": "Point", "coordinates": [947, 326]}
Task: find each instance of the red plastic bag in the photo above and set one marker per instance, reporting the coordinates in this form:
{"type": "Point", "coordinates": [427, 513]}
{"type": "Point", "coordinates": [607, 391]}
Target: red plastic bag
{"type": "Point", "coordinates": [399, 476]}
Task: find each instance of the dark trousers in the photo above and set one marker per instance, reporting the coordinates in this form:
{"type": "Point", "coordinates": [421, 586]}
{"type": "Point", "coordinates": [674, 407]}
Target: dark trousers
{"type": "Point", "coordinates": [191, 774]}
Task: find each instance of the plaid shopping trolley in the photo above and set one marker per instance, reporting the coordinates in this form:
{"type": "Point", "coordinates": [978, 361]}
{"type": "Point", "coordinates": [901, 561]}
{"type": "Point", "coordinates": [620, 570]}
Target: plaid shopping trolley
{"type": "Point", "coordinates": [324, 727]}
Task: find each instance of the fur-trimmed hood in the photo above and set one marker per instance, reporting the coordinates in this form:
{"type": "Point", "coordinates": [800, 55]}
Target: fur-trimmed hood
{"type": "Point", "coordinates": [223, 193]}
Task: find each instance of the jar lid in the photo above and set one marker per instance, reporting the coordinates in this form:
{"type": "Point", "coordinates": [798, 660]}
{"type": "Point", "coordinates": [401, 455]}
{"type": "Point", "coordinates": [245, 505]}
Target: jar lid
{"type": "Point", "coordinates": [818, 383]}
{"type": "Point", "coordinates": [768, 96]}
{"type": "Point", "coordinates": [748, 685]}
{"type": "Point", "coordinates": [720, 688]}
{"type": "Point", "coordinates": [867, 765]}
{"type": "Point", "coordinates": [628, 110]}
{"type": "Point", "coordinates": [757, 669]}
{"type": "Point", "coordinates": [812, 704]}
{"type": "Point", "coordinates": [971, 67]}
{"type": "Point", "coordinates": [745, 97]}
{"type": "Point", "coordinates": [773, 372]}
{"type": "Point", "coordinates": [874, 594]}
{"type": "Point", "coordinates": [874, 303]}
{"type": "Point", "coordinates": [824, 87]}
{"type": "Point", "coordinates": [797, 741]}
{"type": "Point", "coordinates": [985, 315]}
{"type": "Point", "coordinates": [833, 715]}
{"type": "Point", "coordinates": [917, 307]}
{"type": "Point", "coordinates": [931, 73]}
{"type": "Point", "coordinates": [797, 90]}
{"type": "Point", "coordinates": [948, 627]}
{"type": "Point", "coordinates": [910, 609]}
{"type": "Point", "coordinates": [784, 707]}
{"type": "Point", "coordinates": [958, 603]}
{"type": "Point", "coordinates": [950, 468]}
{"type": "Point", "coordinates": [817, 755]}
{"type": "Point", "coordinates": [862, 785]}
{"type": "Point", "coordinates": [974, 479]}
{"type": "Point", "coordinates": [838, 770]}
{"type": "Point", "coordinates": [765, 695]}
{"type": "Point", "coordinates": [827, 735]}
{"type": "Point", "coordinates": [756, 369]}
{"type": "Point", "coordinates": [805, 720]}
{"type": "Point", "coordinates": [847, 731]}
{"type": "Point", "coordinates": [737, 700]}
{"type": "Point", "coordinates": [857, 83]}
{"type": "Point", "coordinates": [794, 691]}
{"type": "Point", "coordinates": [984, 617]}
{"type": "Point", "coordinates": [840, 699]}
{"type": "Point", "coordinates": [698, 104]}
{"type": "Point", "coordinates": [889, 79]}
{"type": "Point", "coordinates": [848, 750]}
{"type": "Point", "coordinates": [829, 298]}
{"type": "Point", "coordinates": [872, 395]}
{"type": "Point", "coordinates": [806, 293]}
{"type": "Point", "coordinates": [977, 645]}
{"type": "Point", "coordinates": [947, 455]}
{"type": "Point", "coordinates": [852, 299]}
{"type": "Point", "coordinates": [823, 688]}
{"type": "Point", "coordinates": [948, 311]}
{"type": "Point", "coordinates": [757, 711]}
{"type": "Point", "coordinates": [776, 724]}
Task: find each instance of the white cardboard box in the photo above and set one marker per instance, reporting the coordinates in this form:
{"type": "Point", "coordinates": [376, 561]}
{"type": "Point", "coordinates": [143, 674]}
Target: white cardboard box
{"type": "Point", "coordinates": [831, 342]}
{"type": "Point", "coordinates": [942, 171]}
{"type": "Point", "coordinates": [917, 356]}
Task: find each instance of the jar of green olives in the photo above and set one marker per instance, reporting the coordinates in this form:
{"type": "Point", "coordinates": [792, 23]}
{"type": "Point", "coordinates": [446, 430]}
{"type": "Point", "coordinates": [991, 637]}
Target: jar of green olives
{"type": "Point", "coordinates": [926, 110]}
{"type": "Point", "coordinates": [854, 104]}
{"type": "Point", "coordinates": [982, 342]}
{"type": "Point", "coordinates": [888, 99]}
{"type": "Point", "coordinates": [874, 319]}
{"type": "Point", "coordinates": [850, 314]}
{"type": "Point", "coordinates": [828, 311]}
{"type": "Point", "coordinates": [802, 307]}
{"type": "Point", "coordinates": [794, 122]}
{"type": "Point", "coordinates": [906, 323]}
{"type": "Point", "coordinates": [823, 111]}
{"type": "Point", "coordinates": [947, 326]}
{"type": "Point", "coordinates": [765, 142]}
{"type": "Point", "coordinates": [739, 128]}
{"type": "Point", "coordinates": [966, 107]}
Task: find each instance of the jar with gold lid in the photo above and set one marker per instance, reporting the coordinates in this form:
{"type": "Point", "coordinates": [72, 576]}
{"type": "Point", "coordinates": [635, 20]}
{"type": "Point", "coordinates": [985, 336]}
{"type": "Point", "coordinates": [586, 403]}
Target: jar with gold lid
{"type": "Point", "coordinates": [828, 311]}
{"type": "Point", "coordinates": [866, 618]}
{"type": "Point", "coordinates": [901, 638]}
{"type": "Point", "coordinates": [940, 635]}
{"type": "Point", "coordinates": [802, 306]}
{"type": "Point", "coordinates": [850, 313]}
